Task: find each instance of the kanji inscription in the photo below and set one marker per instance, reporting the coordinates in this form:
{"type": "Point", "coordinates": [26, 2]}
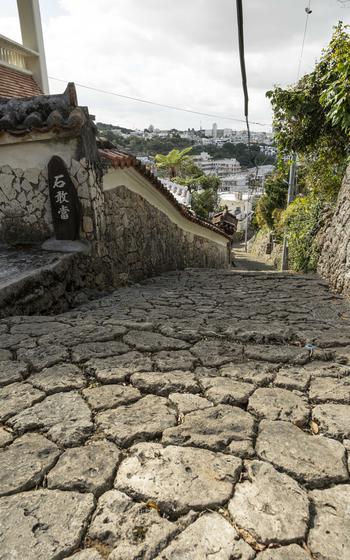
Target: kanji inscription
{"type": "Point", "coordinates": [65, 205]}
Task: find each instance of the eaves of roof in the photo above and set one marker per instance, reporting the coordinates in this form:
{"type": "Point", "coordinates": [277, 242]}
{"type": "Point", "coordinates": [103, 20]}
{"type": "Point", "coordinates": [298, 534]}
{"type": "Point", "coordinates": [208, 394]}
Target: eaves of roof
{"type": "Point", "coordinates": [121, 160]}
{"type": "Point", "coordinates": [41, 113]}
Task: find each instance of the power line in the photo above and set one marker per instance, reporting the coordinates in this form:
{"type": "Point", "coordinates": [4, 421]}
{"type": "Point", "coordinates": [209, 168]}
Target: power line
{"type": "Point", "coordinates": [308, 12]}
{"type": "Point", "coordinates": [148, 102]}
{"type": "Point", "coordinates": [242, 61]}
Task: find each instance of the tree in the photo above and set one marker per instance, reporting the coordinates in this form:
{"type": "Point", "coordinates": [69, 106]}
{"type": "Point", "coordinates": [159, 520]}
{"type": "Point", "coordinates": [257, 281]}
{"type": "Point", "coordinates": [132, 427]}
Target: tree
{"type": "Point", "coordinates": [274, 198]}
{"type": "Point", "coordinates": [204, 202]}
{"type": "Point", "coordinates": [173, 161]}
{"type": "Point", "coordinates": [312, 117]}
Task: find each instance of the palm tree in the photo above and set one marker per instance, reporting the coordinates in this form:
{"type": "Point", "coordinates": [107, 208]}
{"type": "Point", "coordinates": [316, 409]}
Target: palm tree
{"type": "Point", "coordinates": [173, 160]}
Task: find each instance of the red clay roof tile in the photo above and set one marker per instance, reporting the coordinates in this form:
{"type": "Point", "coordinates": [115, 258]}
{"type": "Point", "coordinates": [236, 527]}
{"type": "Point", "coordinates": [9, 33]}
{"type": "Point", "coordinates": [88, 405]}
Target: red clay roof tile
{"type": "Point", "coordinates": [14, 83]}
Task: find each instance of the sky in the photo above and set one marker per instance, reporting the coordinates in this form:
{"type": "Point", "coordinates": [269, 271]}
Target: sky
{"type": "Point", "coordinates": [178, 52]}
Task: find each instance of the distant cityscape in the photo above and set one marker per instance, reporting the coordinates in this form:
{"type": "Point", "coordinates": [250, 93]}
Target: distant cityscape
{"type": "Point", "coordinates": [212, 136]}
{"type": "Point", "coordinates": [240, 186]}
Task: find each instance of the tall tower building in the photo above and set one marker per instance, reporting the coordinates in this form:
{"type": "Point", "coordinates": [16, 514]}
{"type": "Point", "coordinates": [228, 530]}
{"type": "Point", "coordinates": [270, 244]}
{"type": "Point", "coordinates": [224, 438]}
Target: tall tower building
{"type": "Point", "coordinates": [215, 131]}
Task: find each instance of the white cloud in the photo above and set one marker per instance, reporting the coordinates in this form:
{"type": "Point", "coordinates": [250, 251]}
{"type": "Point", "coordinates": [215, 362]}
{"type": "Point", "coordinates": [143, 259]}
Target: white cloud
{"type": "Point", "coordinates": [180, 53]}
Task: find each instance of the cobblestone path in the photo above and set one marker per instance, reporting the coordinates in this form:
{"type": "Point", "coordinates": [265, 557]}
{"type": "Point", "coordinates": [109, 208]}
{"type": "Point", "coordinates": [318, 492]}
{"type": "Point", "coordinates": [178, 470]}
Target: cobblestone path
{"type": "Point", "coordinates": [202, 415]}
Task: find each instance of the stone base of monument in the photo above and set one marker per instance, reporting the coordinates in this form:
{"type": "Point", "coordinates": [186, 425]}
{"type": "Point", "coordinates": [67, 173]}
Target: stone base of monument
{"type": "Point", "coordinates": [66, 246]}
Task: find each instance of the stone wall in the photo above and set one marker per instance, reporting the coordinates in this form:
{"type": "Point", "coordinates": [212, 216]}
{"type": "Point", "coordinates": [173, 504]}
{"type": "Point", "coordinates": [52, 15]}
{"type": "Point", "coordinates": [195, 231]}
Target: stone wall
{"type": "Point", "coordinates": [25, 212]}
{"type": "Point", "coordinates": [141, 241]}
{"type": "Point", "coordinates": [128, 237]}
{"type": "Point", "coordinates": [334, 262]}
{"type": "Point", "coordinates": [258, 244]}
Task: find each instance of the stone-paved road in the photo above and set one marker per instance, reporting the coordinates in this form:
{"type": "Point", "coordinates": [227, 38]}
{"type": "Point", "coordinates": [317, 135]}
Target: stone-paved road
{"type": "Point", "coordinates": [180, 419]}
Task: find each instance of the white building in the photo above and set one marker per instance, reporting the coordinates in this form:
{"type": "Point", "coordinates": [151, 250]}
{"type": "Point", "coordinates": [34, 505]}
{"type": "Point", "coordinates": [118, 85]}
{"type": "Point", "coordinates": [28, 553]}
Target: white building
{"type": "Point", "coordinates": [239, 204]}
{"type": "Point", "coordinates": [220, 167]}
{"type": "Point", "coordinates": [23, 70]}
{"type": "Point", "coordinates": [237, 182]}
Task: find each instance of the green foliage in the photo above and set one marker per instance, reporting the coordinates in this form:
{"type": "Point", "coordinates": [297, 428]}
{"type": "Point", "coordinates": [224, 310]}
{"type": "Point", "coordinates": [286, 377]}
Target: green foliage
{"type": "Point", "coordinates": [274, 198]}
{"type": "Point", "coordinates": [335, 98]}
{"type": "Point", "coordinates": [312, 116]}
{"type": "Point", "coordinates": [173, 161]}
{"type": "Point", "coordinates": [204, 202]}
{"type": "Point", "coordinates": [302, 220]}
{"type": "Point", "coordinates": [144, 146]}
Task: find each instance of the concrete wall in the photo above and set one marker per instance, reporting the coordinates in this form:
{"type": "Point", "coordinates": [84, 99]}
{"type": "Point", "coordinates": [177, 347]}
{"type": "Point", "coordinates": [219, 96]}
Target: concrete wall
{"type": "Point", "coordinates": [334, 262]}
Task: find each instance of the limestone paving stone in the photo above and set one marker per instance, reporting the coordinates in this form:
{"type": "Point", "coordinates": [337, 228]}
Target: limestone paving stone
{"type": "Point", "coordinates": [38, 328]}
{"type": "Point", "coordinates": [163, 383]}
{"type": "Point", "coordinates": [329, 536]}
{"type": "Point", "coordinates": [86, 554]}
{"type": "Point", "coordinates": [292, 378]}
{"type": "Point", "coordinates": [86, 351]}
{"type": "Point", "coordinates": [333, 419]}
{"type": "Point", "coordinates": [13, 341]}
{"type": "Point", "coordinates": [41, 357]}
{"type": "Point", "coordinates": [11, 371]}
{"type": "Point", "coordinates": [271, 506]}
{"type": "Point", "coordinates": [57, 378]}
{"type": "Point", "coordinates": [174, 360]}
{"type": "Point", "coordinates": [146, 341]}
{"type": "Point", "coordinates": [84, 333]}
{"type": "Point", "coordinates": [250, 372]}
{"type": "Point", "coordinates": [43, 524]}
{"type": "Point", "coordinates": [290, 552]}
{"type": "Point", "coordinates": [212, 428]}
{"type": "Point", "coordinates": [17, 397]}
{"type": "Point", "coordinates": [130, 529]}
{"type": "Point", "coordinates": [314, 460]}
{"type": "Point", "coordinates": [330, 389]}
{"type": "Point", "coordinates": [117, 368]}
{"type": "Point", "coordinates": [277, 354]}
{"type": "Point", "coordinates": [86, 469]}
{"type": "Point", "coordinates": [110, 396]}
{"type": "Point", "coordinates": [24, 463]}
{"type": "Point", "coordinates": [132, 325]}
{"type": "Point", "coordinates": [186, 402]}
{"type": "Point", "coordinates": [327, 369]}
{"type": "Point", "coordinates": [279, 404]}
{"type": "Point", "coordinates": [241, 448]}
{"type": "Point", "coordinates": [346, 444]}
{"type": "Point", "coordinates": [178, 479]}
{"type": "Point", "coordinates": [64, 416]}
{"type": "Point", "coordinates": [143, 420]}
{"type": "Point", "coordinates": [5, 355]}
{"type": "Point", "coordinates": [6, 436]}
{"type": "Point", "coordinates": [222, 390]}
{"type": "Point", "coordinates": [214, 352]}
{"type": "Point", "coordinates": [211, 537]}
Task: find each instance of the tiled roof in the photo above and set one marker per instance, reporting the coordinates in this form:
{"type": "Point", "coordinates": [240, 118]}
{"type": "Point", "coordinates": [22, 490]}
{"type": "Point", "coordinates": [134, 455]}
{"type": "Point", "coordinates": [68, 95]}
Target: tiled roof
{"type": "Point", "coordinates": [14, 83]}
{"type": "Point", "coordinates": [19, 116]}
{"type": "Point", "coordinates": [120, 160]}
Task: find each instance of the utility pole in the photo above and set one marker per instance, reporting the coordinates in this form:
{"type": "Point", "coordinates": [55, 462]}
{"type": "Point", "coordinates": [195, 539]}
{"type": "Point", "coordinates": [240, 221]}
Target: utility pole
{"type": "Point", "coordinates": [290, 198]}
{"type": "Point", "coordinates": [247, 218]}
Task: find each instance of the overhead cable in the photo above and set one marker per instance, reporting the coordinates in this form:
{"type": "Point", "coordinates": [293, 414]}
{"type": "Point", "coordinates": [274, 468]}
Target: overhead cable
{"type": "Point", "coordinates": [147, 101]}
{"type": "Point", "coordinates": [308, 12]}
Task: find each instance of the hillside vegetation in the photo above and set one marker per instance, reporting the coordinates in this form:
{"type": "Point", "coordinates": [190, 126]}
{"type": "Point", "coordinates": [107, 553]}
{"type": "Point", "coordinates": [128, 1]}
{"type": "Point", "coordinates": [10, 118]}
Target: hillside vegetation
{"type": "Point", "coordinates": [311, 119]}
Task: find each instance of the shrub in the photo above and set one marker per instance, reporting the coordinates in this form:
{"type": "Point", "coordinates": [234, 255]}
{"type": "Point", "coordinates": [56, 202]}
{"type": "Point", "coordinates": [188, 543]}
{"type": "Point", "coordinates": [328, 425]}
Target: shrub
{"type": "Point", "coordinates": [302, 220]}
